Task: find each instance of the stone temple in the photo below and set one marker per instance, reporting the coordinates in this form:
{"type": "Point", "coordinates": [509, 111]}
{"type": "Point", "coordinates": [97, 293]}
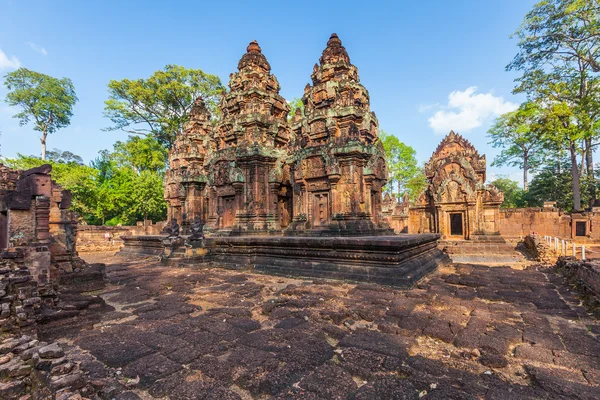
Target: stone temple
{"type": "Point", "coordinates": [457, 203]}
{"type": "Point", "coordinates": [258, 172]}
{"type": "Point", "coordinates": [290, 195]}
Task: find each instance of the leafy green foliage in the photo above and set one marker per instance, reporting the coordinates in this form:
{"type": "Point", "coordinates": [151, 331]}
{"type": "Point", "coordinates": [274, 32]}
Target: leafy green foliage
{"type": "Point", "coordinates": [120, 187]}
{"type": "Point", "coordinates": [46, 101]}
{"type": "Point", "coordinates": [63, 157]}
{"type": "Point", "coordinates": [147, 196]}
{"type": "Point", "coordinates": [402, 165]}
{"type": "Point", "coordinates": [130, 182]}
{"type": "Point", "coordinates": [513, 194]}
{"type": "Point", "coordinates": [160, 104]}
{"type": "Point", "coordinates": [295, 103]}
{"type": "Point", "coordinates": [521, 143]}
{"type": "Point", "coordinates": [559, 46]}
{"type": "Point", "coordinates": [141, 154]}
{"type": "Point", "coordinates": [81, 180]}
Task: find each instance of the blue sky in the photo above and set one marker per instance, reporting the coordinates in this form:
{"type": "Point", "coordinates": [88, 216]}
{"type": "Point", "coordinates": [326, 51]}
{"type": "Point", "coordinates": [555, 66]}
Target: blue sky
{"type": "Point", "coordinates": [428, 65]}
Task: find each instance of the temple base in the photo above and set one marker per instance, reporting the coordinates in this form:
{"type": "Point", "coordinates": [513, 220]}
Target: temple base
{"type": "Point", "coordinates": [391, 260]}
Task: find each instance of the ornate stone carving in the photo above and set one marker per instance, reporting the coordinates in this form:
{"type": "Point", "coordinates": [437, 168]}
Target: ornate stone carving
{"type": "Point", "coordinates": [457, 203]}
{"type": "Point", "coordinates": [243, 175]}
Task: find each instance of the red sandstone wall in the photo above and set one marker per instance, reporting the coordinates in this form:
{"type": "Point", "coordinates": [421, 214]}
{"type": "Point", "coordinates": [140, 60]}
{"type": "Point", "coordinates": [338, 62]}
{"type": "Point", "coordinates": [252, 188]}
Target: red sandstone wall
{"type": "Point", "coordinates": [91, 238]}
{"type": "Point", "coordinates": [21, 226]}
{"type": "Point", "coordinates": [523, 221]}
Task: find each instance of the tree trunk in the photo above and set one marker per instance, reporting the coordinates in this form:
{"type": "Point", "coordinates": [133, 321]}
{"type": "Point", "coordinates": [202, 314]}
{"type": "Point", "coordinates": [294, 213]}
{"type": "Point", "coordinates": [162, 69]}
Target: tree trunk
{"type": "Point", "coordinates": [589, 165]}
{"type": "Point", "coordinates": [525, 167]}
{"type": "Point", "coordinates": [43, 140]}
{"type": "Point", "coordinates": [575, 173]}
{"type": "Point", "coordinates": [589, 157]}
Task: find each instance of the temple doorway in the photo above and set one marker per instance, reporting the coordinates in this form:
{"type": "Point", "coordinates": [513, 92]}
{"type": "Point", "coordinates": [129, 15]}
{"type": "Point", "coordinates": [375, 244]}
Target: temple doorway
{"type": "Point", "coordinates": [320, 214]}
{"type": "Point", "coordinates": [580, 228]}
{"type": "Point", "coordinates": [456, 224]}
{"type": "Point", "coordinates": [285, 210]}
{"type": "Point", "coordinates": [228, 211]}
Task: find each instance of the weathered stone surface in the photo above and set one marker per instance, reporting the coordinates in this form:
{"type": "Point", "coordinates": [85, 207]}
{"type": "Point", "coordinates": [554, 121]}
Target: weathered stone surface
{"type": "Point", "coordinates": [275, 337]}
{"type": "Point", "coordinates": [255, 172]}
{"type": "Point", "coordinates": [51, 351]}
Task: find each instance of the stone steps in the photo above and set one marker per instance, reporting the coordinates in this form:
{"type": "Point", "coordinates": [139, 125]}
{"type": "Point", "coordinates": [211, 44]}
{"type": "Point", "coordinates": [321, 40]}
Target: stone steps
{"type": "Point", "coordinates": [494, 250]}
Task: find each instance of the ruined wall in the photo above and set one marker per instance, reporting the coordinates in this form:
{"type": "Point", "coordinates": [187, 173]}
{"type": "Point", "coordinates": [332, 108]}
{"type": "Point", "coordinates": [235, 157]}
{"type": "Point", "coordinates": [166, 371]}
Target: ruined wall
{"type": "Point", "coordinates": [22, 226]}
{"type": "Point", "coordinates": [523, 221]}
{"type": "Point", "coordinates": [92, 238]}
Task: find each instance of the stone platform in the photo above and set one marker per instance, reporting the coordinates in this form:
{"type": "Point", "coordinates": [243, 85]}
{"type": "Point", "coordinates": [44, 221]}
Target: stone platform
{"type": "Point", "coordinates": [481, 249]}
{"type": "Point", "coordinates": [392, 260]}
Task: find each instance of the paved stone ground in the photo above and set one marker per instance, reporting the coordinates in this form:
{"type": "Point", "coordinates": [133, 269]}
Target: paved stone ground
{"type": "Point", "coordinates": [467, 332]}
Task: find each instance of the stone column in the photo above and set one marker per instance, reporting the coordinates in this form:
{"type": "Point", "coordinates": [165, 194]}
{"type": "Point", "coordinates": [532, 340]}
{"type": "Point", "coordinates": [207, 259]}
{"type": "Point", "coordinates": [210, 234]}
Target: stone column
{"type": "Point", "coordinates": [42, 219]}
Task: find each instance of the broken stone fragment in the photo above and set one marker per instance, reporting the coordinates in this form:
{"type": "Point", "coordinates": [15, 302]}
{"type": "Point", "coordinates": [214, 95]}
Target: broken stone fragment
{"type": "Point", "coordinates": [51, 351]}
{"type": "Point", "coordinates": [6, 358]}
{"type": "Point", "coordinates": [8, 346]}
{"type": "Point", "coordinates": [12, 389]}
{"type": "Point", "coordinates": [25, 346]}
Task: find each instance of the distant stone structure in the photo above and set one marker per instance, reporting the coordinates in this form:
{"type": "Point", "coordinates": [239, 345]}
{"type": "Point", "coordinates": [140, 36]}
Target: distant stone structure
{"type": "Point", "coordinates": [257, 173]}
{"type": "Point", "coordinates": [457, 203]}
{"type": "Point", "coordinates": [37, 248]}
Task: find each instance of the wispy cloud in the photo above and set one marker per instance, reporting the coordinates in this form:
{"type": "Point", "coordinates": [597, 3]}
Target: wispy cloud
{"type": "Point", "coordinates": [7, 62]}
{"type": "Point", "coordinates": [37, 48]}
{"type": "Point", "coordinates": [467, 110]}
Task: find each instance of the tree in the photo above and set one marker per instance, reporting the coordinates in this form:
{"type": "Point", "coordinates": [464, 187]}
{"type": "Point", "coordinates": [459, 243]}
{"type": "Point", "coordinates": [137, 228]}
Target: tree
{"type": "Point", "coordinates": [513, 194]}
{"type": "Point", "coordinates": [555, 184]}
{"type": "Point", "coordinates": [160, 104]}
{"type": "Point", "coordinates": [141, 154]}
{"type": "Point", "coordinates": [294, 104]}
{"type": "Point", "coordinates": [559, 47]}
{"type": "Point", "coordinates": [521, 144]}
{"type": "Point", "coordinates": [148, 197]}
{"type": "Point", "coordinates": [417, 184]}
{"type": "Point", "coordinates": [130, 181]}
{"type": "Point", "coordinates": [559, 127]}
{"type": "Point", "coordinates": [45, 100]}
{"type": "Point", "coordinates": [64, 157]}
{"type": "Point", "coordinates": [401, 162]}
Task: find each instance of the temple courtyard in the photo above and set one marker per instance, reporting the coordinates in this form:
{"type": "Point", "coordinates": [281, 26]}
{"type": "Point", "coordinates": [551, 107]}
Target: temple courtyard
{"type": "Point", "coordinates": [466, 331]}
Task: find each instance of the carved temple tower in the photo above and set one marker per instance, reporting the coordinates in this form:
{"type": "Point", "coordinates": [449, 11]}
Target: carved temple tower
{"type": "Point", "coordinates": [245, 179]}
{"type": "Point", "coordinates": [337, 163]}
{"type": "Point", "coordinates": [457, 203]}
{"type": "Point", "coordinates": [186, 178]}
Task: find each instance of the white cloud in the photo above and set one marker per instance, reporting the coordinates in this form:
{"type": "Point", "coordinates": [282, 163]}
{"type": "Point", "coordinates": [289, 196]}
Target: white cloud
{"type": "Point", "coordinates": [467, 110]}
{"type": "Point", "coordinates": [37, 48]}
{"type": "Point", "coordinates": [8, 63]}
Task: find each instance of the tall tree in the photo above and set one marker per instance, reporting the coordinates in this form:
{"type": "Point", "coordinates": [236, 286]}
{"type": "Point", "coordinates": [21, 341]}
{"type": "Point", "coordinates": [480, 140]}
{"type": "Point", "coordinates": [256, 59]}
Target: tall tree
{"type": "Point", "coordinates": [521, 144]}
{"type": "Point", "coordinates": [560, 127]}
{"type": "Point", "coordinates": [141, 154]}
{"type": "Point", "coordinates": [401, 162]}
{"type": "Point", "coordinates": [513, 194]}
{"type": "Point", "coordinates": [160, 104]}
{"type": "Point", "coordinates": [45, 100]}
{"type": "Point", "coordinates": [559, 48]}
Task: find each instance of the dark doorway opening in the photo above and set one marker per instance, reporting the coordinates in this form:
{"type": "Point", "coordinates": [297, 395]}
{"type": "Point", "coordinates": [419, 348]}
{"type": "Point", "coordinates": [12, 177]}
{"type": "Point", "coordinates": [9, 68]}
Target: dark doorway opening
{"type": "Point", "coordinates": [580, 228]}
{"type": "Point", "coordinates": [456, 224]}
{"type": "Point", "coordinates": [3, 230]}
